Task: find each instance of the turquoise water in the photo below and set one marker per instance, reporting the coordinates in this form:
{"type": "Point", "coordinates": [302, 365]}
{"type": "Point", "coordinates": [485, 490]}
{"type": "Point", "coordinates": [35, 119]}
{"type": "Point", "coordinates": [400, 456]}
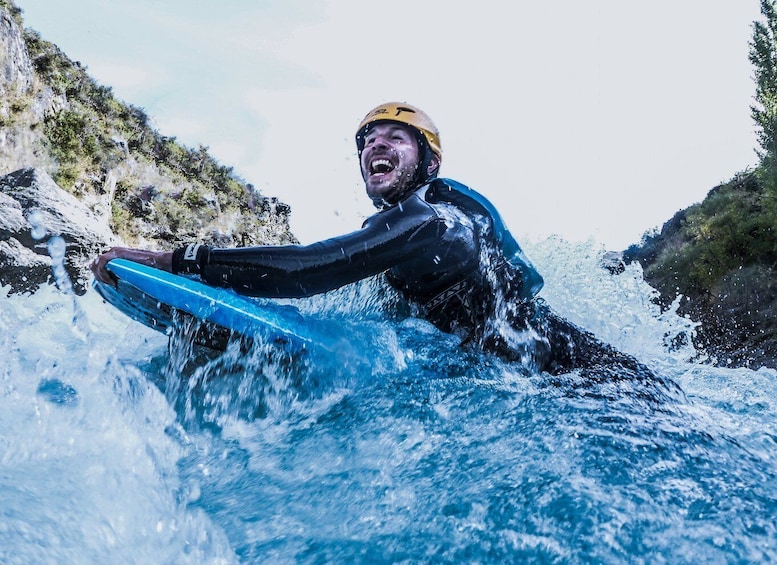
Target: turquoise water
{"type": "Point", "coordinates": [399, 447]}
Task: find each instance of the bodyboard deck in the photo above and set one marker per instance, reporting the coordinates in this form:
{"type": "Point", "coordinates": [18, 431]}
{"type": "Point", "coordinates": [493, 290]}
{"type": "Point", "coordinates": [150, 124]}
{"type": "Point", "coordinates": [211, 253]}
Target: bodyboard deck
{"type": "Point", "coordinates": [160, 300]}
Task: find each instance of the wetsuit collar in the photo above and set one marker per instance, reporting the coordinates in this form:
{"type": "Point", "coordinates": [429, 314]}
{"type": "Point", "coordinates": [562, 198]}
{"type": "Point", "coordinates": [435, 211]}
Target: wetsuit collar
{"type": "Point", "coordinates": [382, 205]}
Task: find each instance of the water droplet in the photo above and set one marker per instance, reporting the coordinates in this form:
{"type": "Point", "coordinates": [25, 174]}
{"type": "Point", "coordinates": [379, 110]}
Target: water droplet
{"type": "Point", "coordinates": [57, 392]}
{"type": "Point", "coordinates": [56, 247]}
{"type": "Point", "coordinates": [36, 220]}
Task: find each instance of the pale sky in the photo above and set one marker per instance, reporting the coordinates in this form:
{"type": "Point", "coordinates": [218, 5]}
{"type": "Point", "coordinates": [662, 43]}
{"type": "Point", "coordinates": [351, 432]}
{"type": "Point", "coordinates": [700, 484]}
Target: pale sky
{"type": "Point", "coordinates": [588, 120]}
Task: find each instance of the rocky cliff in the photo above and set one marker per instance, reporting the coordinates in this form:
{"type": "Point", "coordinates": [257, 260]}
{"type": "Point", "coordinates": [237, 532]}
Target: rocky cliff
{"type": "Point", "coordinates": [93, 170]}
{"type": "Point", "coordinates": [720, 257]}
{"type": "Point", "coordinates": [33, 209]}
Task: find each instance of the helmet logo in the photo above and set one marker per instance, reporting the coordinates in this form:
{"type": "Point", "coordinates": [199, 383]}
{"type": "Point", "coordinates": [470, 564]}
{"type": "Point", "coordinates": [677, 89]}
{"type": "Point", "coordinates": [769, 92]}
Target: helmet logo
{"type": "Point", "coordinates": [398, 111]}
{"type": "Point", "coordinates": [401, 109]}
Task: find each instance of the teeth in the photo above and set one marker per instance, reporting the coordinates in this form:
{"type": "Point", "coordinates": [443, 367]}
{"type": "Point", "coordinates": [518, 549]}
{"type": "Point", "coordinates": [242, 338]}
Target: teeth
{"type": "Point", "coordinates": [381, 166]}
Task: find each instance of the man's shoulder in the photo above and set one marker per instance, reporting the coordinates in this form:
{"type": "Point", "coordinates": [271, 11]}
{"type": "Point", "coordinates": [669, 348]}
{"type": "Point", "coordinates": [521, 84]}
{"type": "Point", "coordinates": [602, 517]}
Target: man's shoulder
{"type": "Point", "coordinates": [450, 184]}
{"type": "Point", "coordinates": [455, 192]}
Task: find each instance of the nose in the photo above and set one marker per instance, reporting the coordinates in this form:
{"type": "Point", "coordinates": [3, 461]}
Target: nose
{"type": "Point", "coordinates": [379, 141]}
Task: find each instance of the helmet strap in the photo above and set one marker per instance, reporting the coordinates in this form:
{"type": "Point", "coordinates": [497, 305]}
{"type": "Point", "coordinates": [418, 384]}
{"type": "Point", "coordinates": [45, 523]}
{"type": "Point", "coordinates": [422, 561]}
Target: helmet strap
{"type": "Point", "coordinates": [422, 174]}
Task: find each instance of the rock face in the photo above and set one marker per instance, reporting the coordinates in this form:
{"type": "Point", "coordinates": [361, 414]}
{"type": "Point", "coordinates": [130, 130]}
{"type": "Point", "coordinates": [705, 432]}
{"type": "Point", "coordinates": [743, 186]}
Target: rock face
{"type": "Point", "coordinates": [15, 65]}
{"type": "Point", "coordinates": [86, 169]}
{"type": "Point", "coordinates": [739, 318]}
{"type": "Point", "coordinates": [719, 257]}
{"type": "Point", "coordinates": [33, 209]}
{"type": "Point", "coordinates": [20, 108]}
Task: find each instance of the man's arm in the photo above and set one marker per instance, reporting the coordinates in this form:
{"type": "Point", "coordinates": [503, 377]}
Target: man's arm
{"type": "Point", "coordinates": [292, 271]}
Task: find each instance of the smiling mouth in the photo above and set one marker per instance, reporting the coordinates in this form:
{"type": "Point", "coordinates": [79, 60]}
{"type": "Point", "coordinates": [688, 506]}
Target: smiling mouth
{"type": "Point", "coordinates": [381, 167]}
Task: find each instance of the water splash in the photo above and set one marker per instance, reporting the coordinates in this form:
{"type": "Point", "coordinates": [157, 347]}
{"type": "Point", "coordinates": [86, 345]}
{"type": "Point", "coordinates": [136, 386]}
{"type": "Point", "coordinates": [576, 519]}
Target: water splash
{"type": "Point", "coordinates": [620, 309]}
{"type": "Point", "coordinates": [423, 452]}
{"type": "Point", "coordinates": [37, 221]}
{"type": "Point", "coordinates": [56, 248]}
{"type": "Point", "coordinates": [95, 479]}
{"type": "Point", "coordinates": [57, 392]}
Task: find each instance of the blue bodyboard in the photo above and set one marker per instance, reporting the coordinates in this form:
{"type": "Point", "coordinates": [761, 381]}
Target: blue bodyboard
{"type": "Point", "coordinates": [157, 299]}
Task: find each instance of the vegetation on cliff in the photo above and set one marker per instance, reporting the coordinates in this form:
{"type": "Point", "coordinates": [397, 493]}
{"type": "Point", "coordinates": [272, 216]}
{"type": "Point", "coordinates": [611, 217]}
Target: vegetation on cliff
{"type": "Point", "coordinates": [154, 190]}
{"type": "Point", "coordinates": [734, 227]}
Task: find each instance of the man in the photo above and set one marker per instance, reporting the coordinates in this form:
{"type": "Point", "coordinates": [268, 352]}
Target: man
{"type": "Point", "coordinates": [441, 244]}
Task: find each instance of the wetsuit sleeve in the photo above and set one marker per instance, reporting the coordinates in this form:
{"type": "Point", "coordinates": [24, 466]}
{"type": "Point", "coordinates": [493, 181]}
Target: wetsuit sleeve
{"type": "Point", "coordinates": [292, 271]}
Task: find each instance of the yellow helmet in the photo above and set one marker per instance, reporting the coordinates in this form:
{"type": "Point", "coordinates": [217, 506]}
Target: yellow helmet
{"type": "Point", "coordinates": [403, 114]}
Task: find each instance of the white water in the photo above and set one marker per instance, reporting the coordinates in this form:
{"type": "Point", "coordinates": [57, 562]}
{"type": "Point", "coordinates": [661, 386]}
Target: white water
{"type": "Point", "coordinates": [97, 467]}
{"type": "Point", "coordinates": [90, 479]}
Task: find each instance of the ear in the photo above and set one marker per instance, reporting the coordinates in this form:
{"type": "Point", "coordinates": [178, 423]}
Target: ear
{"type": "Point", "coordinates": [434, 165]}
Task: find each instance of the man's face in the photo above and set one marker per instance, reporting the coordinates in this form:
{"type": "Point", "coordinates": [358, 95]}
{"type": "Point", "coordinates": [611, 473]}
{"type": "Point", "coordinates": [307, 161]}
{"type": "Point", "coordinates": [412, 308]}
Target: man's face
{"type": "Point", "coordinates": [389, 161]}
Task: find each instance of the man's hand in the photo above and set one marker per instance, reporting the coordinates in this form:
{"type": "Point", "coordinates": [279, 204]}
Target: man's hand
{"type": "Point", "coordinates": [158, 259]}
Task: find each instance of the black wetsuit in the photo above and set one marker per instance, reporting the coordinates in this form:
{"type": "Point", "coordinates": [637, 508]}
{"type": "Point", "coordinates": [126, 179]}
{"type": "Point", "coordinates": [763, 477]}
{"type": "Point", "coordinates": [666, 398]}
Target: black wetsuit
{"type": "Point", "coordinates": [445, 248]}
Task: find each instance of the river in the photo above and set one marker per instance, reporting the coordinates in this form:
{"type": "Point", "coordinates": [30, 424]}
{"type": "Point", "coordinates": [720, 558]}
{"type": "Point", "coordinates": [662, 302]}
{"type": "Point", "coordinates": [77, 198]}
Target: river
{"type": "Point", "coordinates": [117, 445]}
